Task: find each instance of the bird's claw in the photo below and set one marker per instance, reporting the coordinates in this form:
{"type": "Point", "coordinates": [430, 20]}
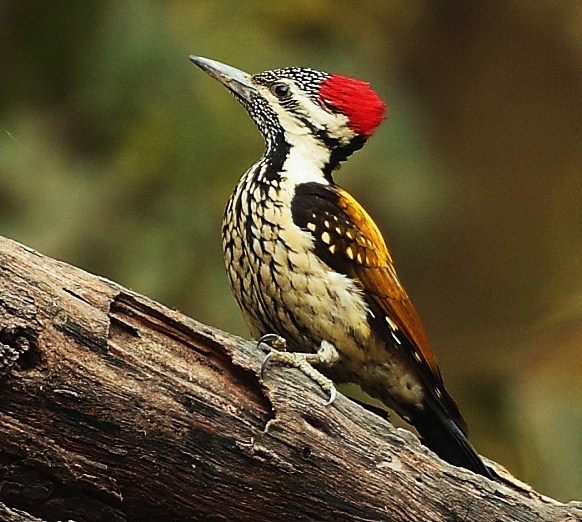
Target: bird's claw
{"type": "Point", "coordinates": [332, 396]}
{"type": "Point", "coordinates": [273, 341]}
{"type": "Point", "coordinates": [276, 343]}
{"type": "Point", "coordinates": [303, 361]}
{"type": "Point", "coordinates": [264, 363]}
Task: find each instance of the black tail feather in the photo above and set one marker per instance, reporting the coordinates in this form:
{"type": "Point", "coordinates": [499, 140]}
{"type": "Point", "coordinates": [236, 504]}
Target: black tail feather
{"type": "Point", "coordinates": [440, 433]}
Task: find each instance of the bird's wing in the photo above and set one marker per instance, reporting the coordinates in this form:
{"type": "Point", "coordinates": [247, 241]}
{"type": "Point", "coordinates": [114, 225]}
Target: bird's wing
{"type": "Point", "coordinates": [348, 241]}
{"type": "Point", "coordinates": [372, 265]}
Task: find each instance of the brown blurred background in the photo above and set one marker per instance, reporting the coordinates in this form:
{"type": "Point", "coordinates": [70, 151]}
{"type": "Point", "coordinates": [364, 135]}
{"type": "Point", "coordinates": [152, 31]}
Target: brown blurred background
{"type": "Point", "coordinates": [117, 155]}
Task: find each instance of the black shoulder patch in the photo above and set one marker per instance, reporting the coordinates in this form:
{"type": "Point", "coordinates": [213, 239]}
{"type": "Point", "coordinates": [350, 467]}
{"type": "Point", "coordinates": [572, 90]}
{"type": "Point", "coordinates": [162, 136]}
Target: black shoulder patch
{"type": "Point", "coordinates": [315, 209]}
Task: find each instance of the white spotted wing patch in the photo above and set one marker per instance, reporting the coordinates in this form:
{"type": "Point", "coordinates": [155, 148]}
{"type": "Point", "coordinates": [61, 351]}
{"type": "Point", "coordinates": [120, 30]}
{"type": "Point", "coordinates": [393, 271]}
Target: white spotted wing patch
{"type": "Point", "coordinates": [336, 240]}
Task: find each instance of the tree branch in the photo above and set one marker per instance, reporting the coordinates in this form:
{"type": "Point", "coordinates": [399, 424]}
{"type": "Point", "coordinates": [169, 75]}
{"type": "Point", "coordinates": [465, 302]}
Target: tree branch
{"type": "Point", "coordinates": [115, 408]}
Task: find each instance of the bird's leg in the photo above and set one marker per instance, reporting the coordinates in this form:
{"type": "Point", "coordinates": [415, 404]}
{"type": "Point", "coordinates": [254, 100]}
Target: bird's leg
{"type": "Point", "coordinates": [327, 355]}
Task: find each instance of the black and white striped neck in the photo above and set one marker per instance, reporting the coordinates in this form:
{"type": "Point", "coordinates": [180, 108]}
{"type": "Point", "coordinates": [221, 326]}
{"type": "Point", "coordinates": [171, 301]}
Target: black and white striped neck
{"type": "Point", "coordinates": [303, 158]}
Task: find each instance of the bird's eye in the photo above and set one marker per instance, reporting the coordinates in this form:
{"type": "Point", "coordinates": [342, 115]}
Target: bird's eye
{"type": "Point", "coordinates": [280, 90]}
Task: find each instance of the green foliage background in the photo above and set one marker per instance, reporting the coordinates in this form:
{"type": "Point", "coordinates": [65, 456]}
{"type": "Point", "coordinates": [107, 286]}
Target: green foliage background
{"type": "Point", "coordinates": [117, 155]}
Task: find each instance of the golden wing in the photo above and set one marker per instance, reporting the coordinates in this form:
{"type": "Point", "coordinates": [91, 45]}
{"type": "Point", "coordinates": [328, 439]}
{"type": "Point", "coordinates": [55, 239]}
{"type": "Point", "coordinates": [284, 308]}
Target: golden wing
{"type": "Point", "coordinates": [348, 240]}
{"type": "Point", "coordinates": [372, 265]}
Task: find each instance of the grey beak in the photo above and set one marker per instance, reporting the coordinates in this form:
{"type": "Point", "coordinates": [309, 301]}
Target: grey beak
{"type": "Point", "coordinates": [237, 81]}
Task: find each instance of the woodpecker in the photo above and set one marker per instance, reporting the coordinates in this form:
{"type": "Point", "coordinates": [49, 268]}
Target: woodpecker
{"type": "Point", "coordinates": [309, 266]}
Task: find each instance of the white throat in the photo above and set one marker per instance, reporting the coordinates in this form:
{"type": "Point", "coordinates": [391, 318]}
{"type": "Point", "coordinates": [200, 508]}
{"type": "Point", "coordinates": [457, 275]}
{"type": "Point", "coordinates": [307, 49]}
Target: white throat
{"type": "Point", "coordinates": [306, 160]}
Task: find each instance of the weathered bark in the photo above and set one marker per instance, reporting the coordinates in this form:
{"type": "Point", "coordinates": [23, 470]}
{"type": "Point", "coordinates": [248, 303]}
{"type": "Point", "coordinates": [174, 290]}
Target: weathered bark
{"type": "Point", "coordinates": [115, 408]}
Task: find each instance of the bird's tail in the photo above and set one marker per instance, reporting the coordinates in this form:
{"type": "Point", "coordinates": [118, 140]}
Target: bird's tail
{"type": "Point", "coordinates": [439, 432]}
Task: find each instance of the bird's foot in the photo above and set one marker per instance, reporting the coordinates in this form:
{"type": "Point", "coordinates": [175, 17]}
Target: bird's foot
{"type": "Point", "coordinates": [272, 342]}
{"type": "Point", "coordinates": [326, 355]}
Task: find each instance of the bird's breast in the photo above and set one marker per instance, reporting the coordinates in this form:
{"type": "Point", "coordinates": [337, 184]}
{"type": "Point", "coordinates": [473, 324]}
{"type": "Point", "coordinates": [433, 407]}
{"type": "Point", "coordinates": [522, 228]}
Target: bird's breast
{"type": "Point", "coordinates": [282, 286]}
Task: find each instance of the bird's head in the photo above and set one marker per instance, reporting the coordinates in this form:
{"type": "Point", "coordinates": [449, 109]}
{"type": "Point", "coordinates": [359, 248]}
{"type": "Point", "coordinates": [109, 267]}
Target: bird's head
{"type": "Point", "coordinates": [300, 103]}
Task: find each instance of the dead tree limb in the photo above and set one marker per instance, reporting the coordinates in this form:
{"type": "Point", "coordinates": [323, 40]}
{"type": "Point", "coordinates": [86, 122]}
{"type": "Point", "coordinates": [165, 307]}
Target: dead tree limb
{"type": "Point", "coordinates": [113, 407]}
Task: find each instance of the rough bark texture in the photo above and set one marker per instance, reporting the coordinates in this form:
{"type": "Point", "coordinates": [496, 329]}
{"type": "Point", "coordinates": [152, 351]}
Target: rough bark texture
{"type": "Point", "coordinates": [113, 407]}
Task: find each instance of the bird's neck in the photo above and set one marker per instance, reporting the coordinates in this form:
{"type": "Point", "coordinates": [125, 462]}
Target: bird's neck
{"type": "Point", "coordinates": [302, 157]}
{"type": "Point", "coordinates": [292, 159]}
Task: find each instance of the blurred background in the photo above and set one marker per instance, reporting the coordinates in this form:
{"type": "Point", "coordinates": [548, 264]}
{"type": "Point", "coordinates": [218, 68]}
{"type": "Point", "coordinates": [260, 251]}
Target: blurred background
{"type": "Point", "coordinates": [117, 155]}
